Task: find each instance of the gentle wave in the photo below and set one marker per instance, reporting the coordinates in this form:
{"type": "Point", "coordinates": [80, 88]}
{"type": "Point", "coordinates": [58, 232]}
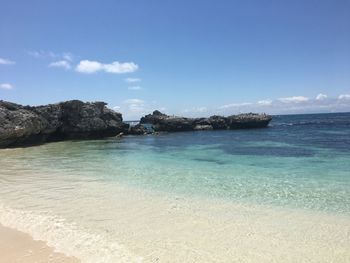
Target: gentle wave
{"type": "Point", "coordinates": [66, 237]}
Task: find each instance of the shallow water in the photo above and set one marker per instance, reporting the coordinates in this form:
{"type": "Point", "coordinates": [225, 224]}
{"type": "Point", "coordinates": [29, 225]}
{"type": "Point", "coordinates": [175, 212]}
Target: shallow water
{"type": "Point", "coordinates": [193, 196]}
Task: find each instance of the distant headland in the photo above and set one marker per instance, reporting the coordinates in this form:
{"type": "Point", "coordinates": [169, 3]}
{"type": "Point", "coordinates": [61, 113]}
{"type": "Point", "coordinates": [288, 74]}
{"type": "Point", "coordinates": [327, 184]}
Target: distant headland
{"type": "Point", "coordinates": [28, 125]}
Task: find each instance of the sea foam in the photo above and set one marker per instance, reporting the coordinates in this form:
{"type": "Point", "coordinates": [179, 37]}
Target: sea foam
{"type": "Point", "coordinates": [67, 238]}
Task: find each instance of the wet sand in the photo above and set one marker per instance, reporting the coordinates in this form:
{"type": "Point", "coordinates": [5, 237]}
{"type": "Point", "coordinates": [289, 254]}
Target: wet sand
{"type": "Point", "coordinates": [18, 247]}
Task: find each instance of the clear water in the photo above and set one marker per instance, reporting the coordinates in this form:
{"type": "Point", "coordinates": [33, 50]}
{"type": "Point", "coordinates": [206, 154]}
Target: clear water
{"type": "Point", "coordinates": [299, 162]}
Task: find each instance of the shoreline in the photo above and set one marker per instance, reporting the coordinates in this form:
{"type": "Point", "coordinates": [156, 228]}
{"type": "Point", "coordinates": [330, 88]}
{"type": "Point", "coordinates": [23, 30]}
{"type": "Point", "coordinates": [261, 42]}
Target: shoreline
{"type": "Point", "coordinates": [19, 247]}
{"type": "Point", "coordinates": [207, 231]}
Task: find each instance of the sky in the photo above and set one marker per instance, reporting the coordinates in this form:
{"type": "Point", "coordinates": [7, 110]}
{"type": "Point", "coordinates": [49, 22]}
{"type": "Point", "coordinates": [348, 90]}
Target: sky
{"type": "Point", "coordinates": [190, 58]}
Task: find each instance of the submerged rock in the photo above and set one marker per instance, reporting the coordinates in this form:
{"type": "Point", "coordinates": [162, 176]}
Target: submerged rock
{"type": "Point", "coordinates": [163, 122]}
{"type": "Point", "coordinates": [25, 125]}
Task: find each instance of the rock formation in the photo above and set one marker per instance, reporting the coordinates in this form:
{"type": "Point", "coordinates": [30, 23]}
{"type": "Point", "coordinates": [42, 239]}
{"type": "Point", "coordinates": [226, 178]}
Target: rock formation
{"type": "Point", "coordinates": [25, 125]}
{"type": "Point", "coordinates": [163, 122]}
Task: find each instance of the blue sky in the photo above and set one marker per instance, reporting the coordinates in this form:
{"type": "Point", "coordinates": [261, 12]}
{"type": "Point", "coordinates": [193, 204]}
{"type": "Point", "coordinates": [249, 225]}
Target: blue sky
{"type": "Point", "coordinates": [184, 57]}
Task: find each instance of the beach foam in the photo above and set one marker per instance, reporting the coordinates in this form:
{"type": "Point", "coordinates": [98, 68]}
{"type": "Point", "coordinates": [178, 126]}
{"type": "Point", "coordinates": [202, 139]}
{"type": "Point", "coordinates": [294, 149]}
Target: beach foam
{"type": "Point", "coordinates": [65, 237]}
{"type": "Point", "coordinates": [176, 229]}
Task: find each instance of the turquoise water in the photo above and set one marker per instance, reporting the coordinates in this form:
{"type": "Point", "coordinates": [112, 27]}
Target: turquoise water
{"type": "Point", "coordinates": [300, 161]}
{"type": "Point", "coordinates": [204, 196]}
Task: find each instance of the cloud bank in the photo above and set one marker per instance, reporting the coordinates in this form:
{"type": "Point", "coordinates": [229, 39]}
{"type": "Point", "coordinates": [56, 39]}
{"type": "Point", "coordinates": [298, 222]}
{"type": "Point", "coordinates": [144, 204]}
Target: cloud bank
{"type": "Point", "coordinates": [344, 97]}
{"type": "Point", "coordinates": [294, 99]}
{"type": "Point", "coordinates": [133, 109]}
{"type": "Point", "coordinates": [289, 105]}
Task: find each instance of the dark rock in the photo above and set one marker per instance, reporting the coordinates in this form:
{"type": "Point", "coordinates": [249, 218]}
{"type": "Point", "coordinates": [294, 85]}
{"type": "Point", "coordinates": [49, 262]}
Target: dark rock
{"type": "Point", "coordinates": [25, 125]}
{"type": "Point", "coordinates": [163, 122]}
{"type": "Point", "coordinates": [248, 121]}
{"type": "Point", "coordinates": [138, 129]}
{"type": "Point", "coordinates": [18, 125]}
{"type": "Point", "coordinates": [218, 122]}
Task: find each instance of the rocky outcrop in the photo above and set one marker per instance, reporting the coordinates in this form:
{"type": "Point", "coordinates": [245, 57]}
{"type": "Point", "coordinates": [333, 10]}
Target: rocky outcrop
{"type": "Point", "coordinates": [25, 125]}
{"type": "Point", "coordinates": [163, 122]}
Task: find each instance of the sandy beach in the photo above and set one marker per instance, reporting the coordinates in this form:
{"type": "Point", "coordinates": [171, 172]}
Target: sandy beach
{"type": "Point", "coordinates": [109, 201]}
{"type": "Point", "coordinates": [18, 247]}
{"type": "Point", "coordinates": [149, 228]}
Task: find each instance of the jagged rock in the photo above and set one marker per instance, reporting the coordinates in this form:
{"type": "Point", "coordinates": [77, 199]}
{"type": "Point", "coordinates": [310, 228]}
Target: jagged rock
{"type": "Point", "coordinates": [138, 129]}
{"type": "Point", "coordinates": [248, 121]}
{"type": "Point", "coordinates": [163, 122]}
{"type": "Point", "coordinates": [25, 125]}
{"type": "Point", "coordinates": [18, 124]}
{"type": "Point", "coordinates": [218, 122]}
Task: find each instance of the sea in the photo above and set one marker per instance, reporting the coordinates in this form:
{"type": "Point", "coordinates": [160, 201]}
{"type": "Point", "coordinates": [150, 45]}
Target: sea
{"type": "Point", "coordinates": [278, 194]}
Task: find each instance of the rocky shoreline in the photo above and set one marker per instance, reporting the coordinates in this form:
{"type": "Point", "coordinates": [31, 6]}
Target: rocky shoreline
{"type": "Point", "coordinates": [74, 119]}
{"type": "Point", "coordinates": [164, 123]}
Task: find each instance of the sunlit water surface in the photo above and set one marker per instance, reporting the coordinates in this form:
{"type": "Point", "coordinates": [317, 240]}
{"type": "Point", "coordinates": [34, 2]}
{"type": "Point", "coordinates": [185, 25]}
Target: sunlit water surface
{"type": "Point", "coordinates": [188, 197]}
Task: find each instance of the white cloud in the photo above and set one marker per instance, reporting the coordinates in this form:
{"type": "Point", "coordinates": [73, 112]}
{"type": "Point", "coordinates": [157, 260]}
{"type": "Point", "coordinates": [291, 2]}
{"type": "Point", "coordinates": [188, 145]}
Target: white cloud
{"type": "Point", "coordinates": [344, 97]}
{"type": "Point", "coordinates": [265, 102]}
{"type": "Point", "coordinates": [294, 99]}
{"type": "Point", "coordinates": [134, 88]}
{"type": "Point", "coordinates": [88, 67]}
{"type": "Point", "coordinates": [50, 55]}
{"type": "Point", "coordinates": [4, 61]}
{"type": "Point", "coordinates": [118, 68]}
{"type": "Point", "coordinates": [321, 96]}
{"type": "Point", "coordinates": [132, 80]}
{"type": "Point", "coordinates": [235, 105]}
{"type": "Point", "coordinates": [135, 106]}
{"type": "Point", "coordinates": [7, 86]}
{"type": "Point", "coordinates": [60, 64]}
{"type": "Point", "coordinates": [134, 101]}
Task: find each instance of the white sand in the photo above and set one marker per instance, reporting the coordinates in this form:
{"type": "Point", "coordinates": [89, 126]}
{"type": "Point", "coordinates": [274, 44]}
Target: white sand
{"type": "Point", "coordinates": [102, 222]}
{"type": "Point", "coordinates": [18, 247]}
